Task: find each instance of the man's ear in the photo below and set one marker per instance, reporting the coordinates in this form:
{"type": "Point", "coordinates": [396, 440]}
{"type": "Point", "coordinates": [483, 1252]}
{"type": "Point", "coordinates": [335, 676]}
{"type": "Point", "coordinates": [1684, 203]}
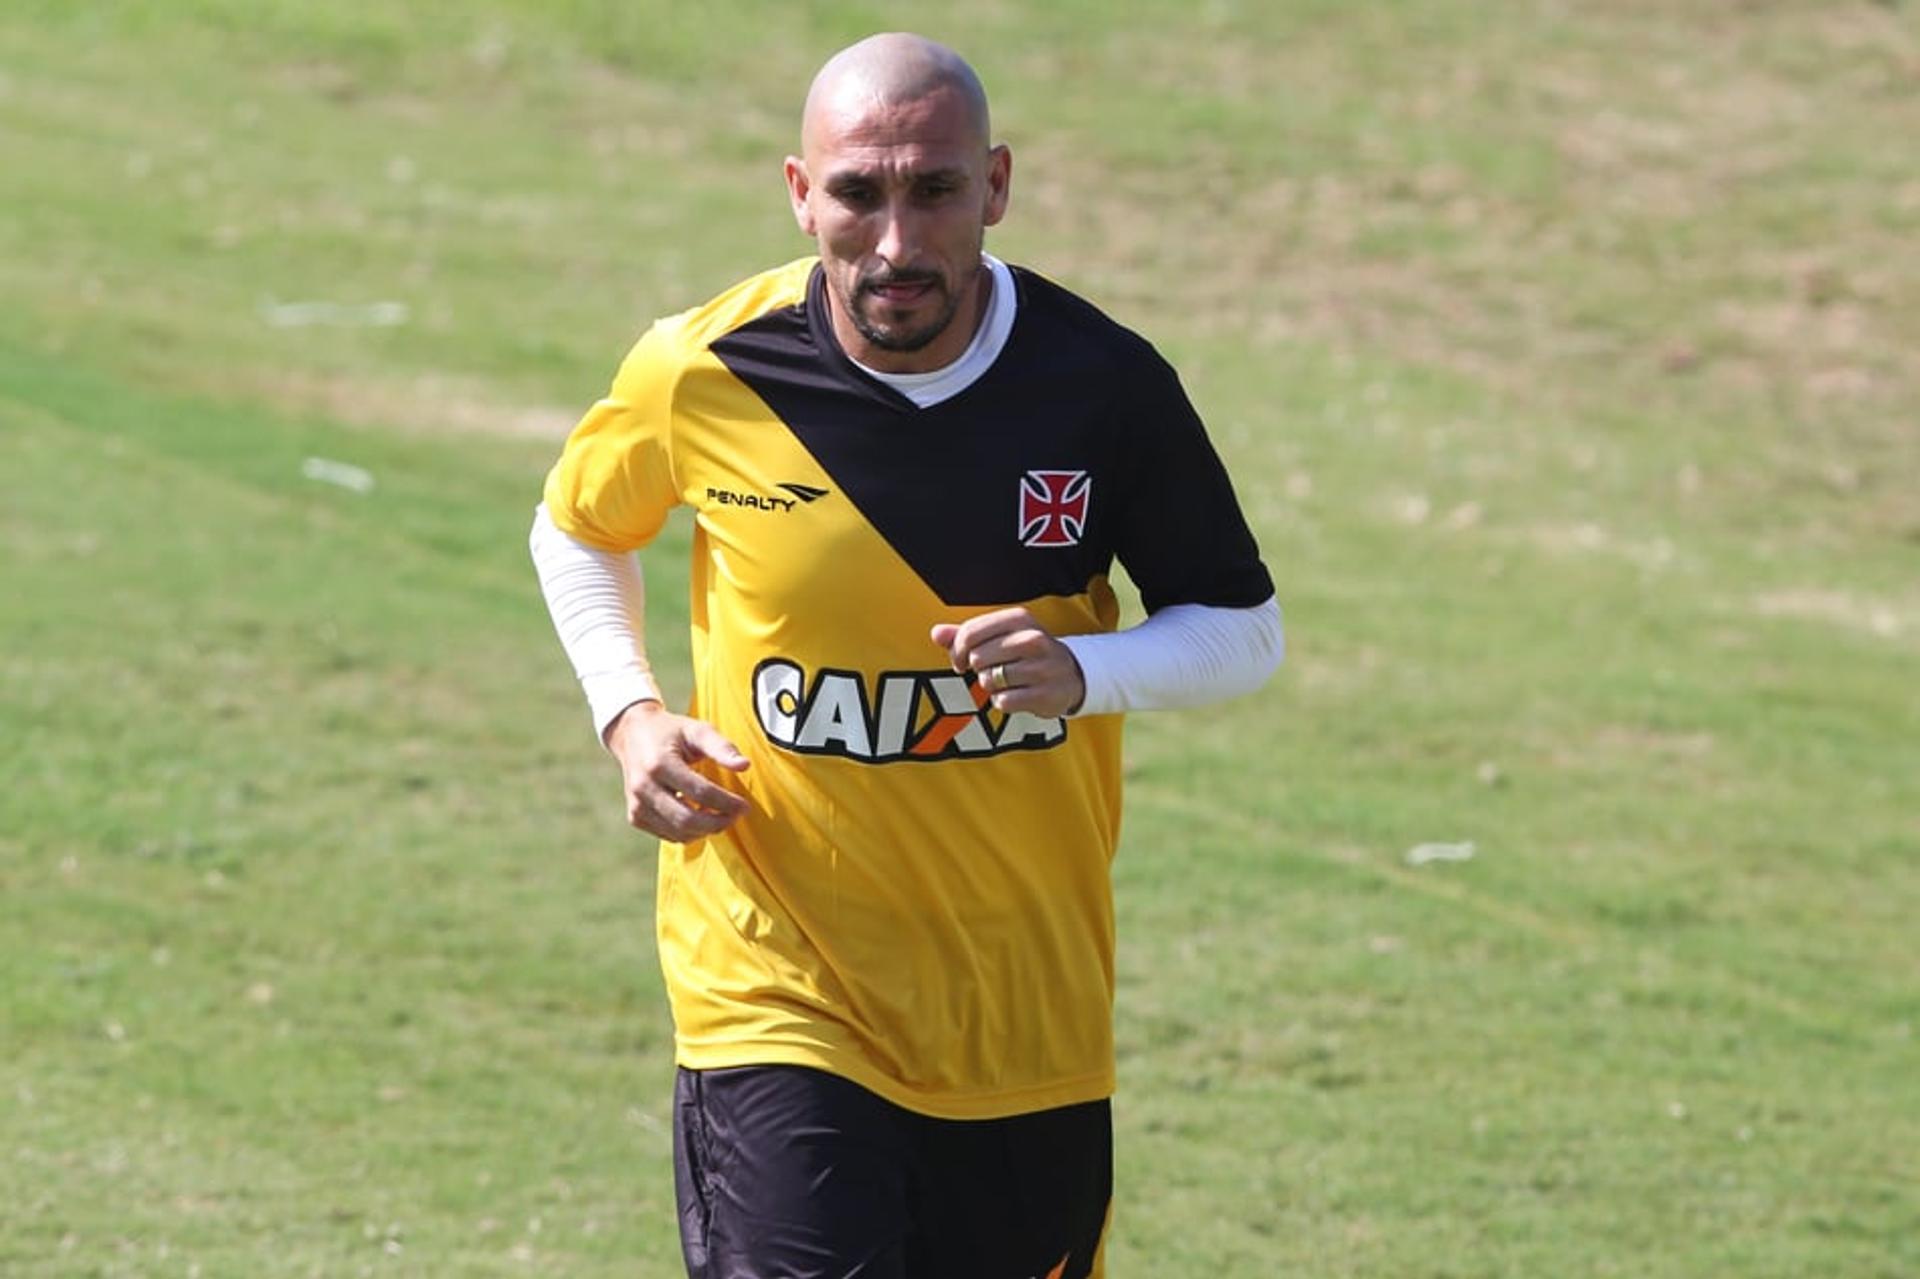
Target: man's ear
{"type": "Point", "coordinates": [999, 183]}
{"type": "Point", "coordinates": [799, 186]}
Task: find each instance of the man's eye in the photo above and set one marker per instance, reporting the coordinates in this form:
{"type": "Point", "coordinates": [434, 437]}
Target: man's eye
{"type": "Point", "coordinates": [856, 197]}
{"type": "Point", "coordinates": [937, 190]}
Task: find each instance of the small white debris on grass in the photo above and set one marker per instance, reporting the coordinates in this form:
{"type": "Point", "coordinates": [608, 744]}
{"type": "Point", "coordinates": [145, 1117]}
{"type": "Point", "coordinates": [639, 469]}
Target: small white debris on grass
{"type": "Point", "coordinates": [489, 50]}
{"type": "Point", "coordinates": [346, 475]}
{"type": "Point", "coordinates": [1422, 854]}
{"type": "Point", "coordinates": [1875, 616]}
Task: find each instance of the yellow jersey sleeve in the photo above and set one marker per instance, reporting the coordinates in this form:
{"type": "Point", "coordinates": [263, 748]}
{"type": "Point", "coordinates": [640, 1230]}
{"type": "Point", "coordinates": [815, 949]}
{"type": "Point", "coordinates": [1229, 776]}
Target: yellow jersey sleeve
{"type": "Point", "coordinates": [614, 482]}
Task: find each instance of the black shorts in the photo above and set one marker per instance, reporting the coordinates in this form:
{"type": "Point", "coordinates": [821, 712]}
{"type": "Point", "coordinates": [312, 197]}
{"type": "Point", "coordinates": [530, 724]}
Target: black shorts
{"type": "Point", "coordinates": [789, 1173]}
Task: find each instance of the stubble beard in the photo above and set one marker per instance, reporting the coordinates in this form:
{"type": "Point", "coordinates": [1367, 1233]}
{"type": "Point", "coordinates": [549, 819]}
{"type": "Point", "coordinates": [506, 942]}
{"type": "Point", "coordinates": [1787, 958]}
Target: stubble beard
{"type": "Point", "coordinates": [864, 303]}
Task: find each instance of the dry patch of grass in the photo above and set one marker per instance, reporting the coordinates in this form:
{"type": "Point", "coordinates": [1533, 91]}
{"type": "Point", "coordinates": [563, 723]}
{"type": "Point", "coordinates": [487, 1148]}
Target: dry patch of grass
{"type": "Point", "coordinates": [1651, 555]}
{"type": "Point", "coordinates": [1666, 230]}
{"type": "Point", "coordinates": [425, 404]}
{"type": "Point", "coordinates": [1888, 619]}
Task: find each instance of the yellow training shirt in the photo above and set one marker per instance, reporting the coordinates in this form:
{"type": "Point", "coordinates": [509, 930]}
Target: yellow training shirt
{"type": "Point", "coordinates": [919, 898]}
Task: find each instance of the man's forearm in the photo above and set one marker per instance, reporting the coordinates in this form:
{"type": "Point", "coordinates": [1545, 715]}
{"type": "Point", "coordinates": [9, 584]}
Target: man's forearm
{"type": "Point", "coordinates": [1183, 655]}
{"type": "Point", "coordinates": [598, 603]}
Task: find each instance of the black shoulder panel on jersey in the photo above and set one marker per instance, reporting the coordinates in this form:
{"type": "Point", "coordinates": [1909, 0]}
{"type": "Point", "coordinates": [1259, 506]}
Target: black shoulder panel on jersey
{"type": "Point", "coordinates": [1026, 483]}
{"type": "Point", "coordinates": [782, 349]}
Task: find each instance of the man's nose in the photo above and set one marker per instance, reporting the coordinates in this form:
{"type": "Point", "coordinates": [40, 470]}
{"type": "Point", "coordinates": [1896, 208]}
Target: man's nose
{"type": "Point", "coordinates": [898, 234]}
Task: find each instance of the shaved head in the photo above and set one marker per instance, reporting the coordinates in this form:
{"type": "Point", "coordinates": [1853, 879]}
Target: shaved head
{"type": "Point", "coordinates": [896, 182]}
{"type": "Point", "coordinates": [884, 71]}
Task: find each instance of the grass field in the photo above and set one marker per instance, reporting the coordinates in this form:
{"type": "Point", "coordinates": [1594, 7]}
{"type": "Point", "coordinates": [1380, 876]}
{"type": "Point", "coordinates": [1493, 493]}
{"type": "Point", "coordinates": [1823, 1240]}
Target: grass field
{"type": "Point", "coordinates": [1568, 360]}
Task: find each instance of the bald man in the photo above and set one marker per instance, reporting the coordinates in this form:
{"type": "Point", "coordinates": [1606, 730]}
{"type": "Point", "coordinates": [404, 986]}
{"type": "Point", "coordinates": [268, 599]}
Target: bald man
{"type": "Point", "coordinates": [885, 914]}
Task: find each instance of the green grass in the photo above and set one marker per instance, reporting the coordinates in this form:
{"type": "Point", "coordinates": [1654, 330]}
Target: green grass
{"type": "Point", "coordinates": [1563, 359]}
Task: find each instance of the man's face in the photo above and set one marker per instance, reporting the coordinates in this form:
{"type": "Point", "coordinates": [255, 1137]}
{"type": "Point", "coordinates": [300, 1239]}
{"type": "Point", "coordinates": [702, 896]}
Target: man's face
{"type": "Point", "coordinates": [898, 196]}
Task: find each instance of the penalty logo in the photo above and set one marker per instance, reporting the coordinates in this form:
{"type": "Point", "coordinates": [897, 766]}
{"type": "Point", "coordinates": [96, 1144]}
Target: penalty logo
{"type": "Point", "coordinates": [904, 715]}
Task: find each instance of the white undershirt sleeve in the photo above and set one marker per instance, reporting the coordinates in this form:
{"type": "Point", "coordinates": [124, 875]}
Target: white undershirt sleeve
{"type": "Point", "coordinates": [598, 602]}
{"type": "Point", "coordinates": [1183, 655]}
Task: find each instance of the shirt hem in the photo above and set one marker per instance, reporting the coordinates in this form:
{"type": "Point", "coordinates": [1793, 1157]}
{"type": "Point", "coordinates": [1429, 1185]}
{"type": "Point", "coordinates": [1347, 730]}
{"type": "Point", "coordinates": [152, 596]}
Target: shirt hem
{"type": "Point", "coordinates": [940, 1104]}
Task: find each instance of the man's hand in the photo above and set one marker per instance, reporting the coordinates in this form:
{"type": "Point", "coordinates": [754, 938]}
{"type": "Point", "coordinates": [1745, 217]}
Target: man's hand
{"type": "Point", "coordinates": [1020, 665]}
{"type": "Point", "coordinates": [659, 754]}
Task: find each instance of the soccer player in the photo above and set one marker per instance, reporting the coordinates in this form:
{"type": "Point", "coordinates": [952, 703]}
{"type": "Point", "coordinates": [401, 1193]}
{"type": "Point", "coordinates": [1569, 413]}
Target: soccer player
{"type": "Point", "coordinates": [885, 913]}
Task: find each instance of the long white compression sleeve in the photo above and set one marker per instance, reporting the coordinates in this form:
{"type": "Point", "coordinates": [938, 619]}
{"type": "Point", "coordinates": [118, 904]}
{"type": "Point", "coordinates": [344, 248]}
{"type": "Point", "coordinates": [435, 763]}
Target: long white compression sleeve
{"type": "Point", "coordinates": [599, 606]}
{"type": "Point", "coordinates": [1184, 655]}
